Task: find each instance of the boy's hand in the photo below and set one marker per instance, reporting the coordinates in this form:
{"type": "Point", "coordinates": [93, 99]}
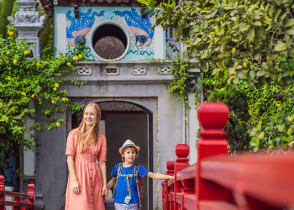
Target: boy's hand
{"type": "Point", "coordinates": [172, 177]}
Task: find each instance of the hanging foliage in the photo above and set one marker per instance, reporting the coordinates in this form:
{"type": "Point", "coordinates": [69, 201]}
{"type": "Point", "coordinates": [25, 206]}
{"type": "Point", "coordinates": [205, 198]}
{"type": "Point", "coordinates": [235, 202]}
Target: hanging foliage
{"type": "Point", "coordinates": [28, 85]}
{"type": "Point", "coordinates": [245, 50]}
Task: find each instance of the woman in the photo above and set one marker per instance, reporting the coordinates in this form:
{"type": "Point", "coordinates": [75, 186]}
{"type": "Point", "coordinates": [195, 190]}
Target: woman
{"type": "Point", "coordinates": [86, 185]}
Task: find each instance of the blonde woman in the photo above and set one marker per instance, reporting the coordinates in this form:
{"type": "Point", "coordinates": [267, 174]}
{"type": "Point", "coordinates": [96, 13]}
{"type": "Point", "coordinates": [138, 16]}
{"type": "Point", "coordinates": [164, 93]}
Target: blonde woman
{"type": "Point", "coordinates": [86, 185]}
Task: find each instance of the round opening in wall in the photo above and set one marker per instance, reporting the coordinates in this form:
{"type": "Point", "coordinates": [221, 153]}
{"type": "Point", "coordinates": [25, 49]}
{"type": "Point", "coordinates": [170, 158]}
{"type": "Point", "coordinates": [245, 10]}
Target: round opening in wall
{"type": "Point", "coordinates": [110, 41]}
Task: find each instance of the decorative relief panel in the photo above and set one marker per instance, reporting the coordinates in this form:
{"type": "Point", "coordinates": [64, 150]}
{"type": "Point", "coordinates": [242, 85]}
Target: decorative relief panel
{"type": "Point", "coordinates": [111, 70]}
{"type": "Point", "coordinates": [84, 71]}
{"type": "Point", "coordinates": [136, 37]}
{"type": "Point", "coordinates": [164, 70]}
{"type": "Point", "coordinates": [139, 71]}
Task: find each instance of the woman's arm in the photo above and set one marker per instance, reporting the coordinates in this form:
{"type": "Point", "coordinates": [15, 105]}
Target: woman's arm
{"type": "Point", "coordinates": [72, 171]}
{"type": "Point", "coordinates": [102, 166]}
{"type": "Point", "coordinates": [159, 176]}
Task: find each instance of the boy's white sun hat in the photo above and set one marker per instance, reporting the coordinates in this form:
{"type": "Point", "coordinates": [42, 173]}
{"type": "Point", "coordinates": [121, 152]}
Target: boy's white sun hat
{"type": "Point", "coordinates": [129, 143]}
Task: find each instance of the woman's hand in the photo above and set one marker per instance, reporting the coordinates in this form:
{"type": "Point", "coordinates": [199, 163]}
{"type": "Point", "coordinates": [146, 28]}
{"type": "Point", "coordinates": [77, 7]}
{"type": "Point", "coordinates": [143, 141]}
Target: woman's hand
{"type": "Point", "coordinates": [104, 191]}
{"type": "Point", "coordinates": [76, 187]}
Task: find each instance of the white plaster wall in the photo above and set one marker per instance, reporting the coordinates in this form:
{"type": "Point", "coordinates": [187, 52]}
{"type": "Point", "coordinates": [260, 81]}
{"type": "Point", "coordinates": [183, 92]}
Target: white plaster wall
{"type": "Point", "coordinates": [60, 24]}
{"type": "Point", "coordinates": [193, 126]}
{"type": "Point", "coordinates": [29, 162]}
{"type": "Point", "coordinates": [159, 42]}
{"type": "Point", "coordinates": [28, 154]}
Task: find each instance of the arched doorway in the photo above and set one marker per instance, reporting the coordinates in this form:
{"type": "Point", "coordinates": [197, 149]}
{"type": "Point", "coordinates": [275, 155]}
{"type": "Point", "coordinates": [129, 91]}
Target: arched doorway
{"type": "Point", "coordinates": [123, 120]}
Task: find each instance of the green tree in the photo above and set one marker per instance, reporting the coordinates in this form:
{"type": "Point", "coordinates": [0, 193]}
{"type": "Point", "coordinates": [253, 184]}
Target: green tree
{"type": "Point", "coordinates": [6, 11]}
{"type": "Point", "coordinates": [26, 81]}
{"type": "Point", "coordinates": [249, 45]}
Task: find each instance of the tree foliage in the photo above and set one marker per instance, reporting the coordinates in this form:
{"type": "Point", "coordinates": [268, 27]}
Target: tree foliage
{"type": "Point", "coordinates": [245, 51]}
{"type": "Point", "coordinates": [7, 8]}
{"type": "Point", "coordinates": [30, 85]}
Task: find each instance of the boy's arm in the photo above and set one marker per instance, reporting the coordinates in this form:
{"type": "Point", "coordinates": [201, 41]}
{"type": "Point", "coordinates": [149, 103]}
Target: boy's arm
{"type": "Point", "coordinates": [111, 183]}
{"type": "Point", "coordinates": [159, 176]}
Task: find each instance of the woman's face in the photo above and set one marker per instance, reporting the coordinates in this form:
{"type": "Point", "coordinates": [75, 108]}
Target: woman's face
{"type": "Point", "coordinates": [90, 116]}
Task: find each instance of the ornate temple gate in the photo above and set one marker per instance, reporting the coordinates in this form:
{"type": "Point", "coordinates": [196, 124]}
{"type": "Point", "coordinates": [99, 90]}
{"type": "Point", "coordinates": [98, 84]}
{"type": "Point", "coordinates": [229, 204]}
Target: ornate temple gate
{"type": "Point", "coordinates": [120, 77]}
{"type": "Point", "coordinates": [133, 106]}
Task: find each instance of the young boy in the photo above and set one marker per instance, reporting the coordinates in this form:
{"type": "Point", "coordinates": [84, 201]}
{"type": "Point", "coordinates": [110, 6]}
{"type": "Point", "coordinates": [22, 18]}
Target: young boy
{"type": "Point", "coordinates": [126, 194]}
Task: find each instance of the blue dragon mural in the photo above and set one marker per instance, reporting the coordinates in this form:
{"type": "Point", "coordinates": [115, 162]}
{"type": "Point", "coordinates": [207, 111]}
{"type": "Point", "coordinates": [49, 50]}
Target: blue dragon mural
{"type": "Point", "coordinates": [79, 27]}
{"type": "Point", "coordinates": [140, 27]}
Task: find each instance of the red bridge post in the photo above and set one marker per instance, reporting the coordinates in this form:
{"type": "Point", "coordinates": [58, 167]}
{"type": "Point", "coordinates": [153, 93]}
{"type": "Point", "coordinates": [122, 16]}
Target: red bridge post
{"type": "Point", "coordinates": [212, 119]}
{"type": "Point", "coordinates": [16, 200]}
{"type": "Point", "coordinates": [182, 152]}
{"type": "Point", "coordinates": [2, 194]}
{"type": "Point", "coordinates": [31, 193]}
{"type": "Point", "coordinates": [170, 186]}
{"type": "Point", "coordinates": [164, 195]}
{"type": "Point", "coordinates": [170, 171]}
{"type": "Point", "coordinates": [165, 186]}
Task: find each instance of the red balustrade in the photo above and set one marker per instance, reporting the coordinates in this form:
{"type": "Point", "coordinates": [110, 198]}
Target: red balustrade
{"type": "Point", "coordinates": [21, 201]}
{"type": "Point", "coordinates": [218, 181]}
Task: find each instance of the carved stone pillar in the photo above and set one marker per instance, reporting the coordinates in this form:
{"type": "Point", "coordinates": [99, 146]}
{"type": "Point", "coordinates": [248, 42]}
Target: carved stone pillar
{"type": "Point", "coordinates": [28, 23]}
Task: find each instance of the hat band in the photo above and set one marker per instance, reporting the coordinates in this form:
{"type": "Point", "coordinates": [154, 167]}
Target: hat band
{"type": "Point", "coordinates": [130, 145]}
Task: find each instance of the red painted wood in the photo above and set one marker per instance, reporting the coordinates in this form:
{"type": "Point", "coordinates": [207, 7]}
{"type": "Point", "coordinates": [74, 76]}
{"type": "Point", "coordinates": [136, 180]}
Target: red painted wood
{"type": "Point", "coordinates": [212, 119]}
{"type": "Point", "coordinates": [16, 200]}
{"type": "Point", "coordinates": [170, 165]}
{"type": "Point", "coordinates": [31, 193]}
{"type": "Point", "coordinates": [266, 177]}
{"type": "Point", "coordinates": [217, 205]}
{"type": "Point", "coordinates": [17, 203]}
{"type": "Point", "coordinates": [182, 152]}
{"type": "Point", "coordinates": [190, 201]}
{"type": "Point", "coordinates": [187, 173]}
{"type": "Point", "coordinates": [2, 195]}
{"type": "Point", "coordinates": [251, 181]}
{"type": "Point", "coordinates": [166, 188]}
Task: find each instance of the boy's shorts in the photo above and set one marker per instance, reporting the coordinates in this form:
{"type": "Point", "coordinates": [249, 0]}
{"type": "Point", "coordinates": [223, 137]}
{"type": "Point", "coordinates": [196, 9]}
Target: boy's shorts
{"type": "Point", "coordinates": [120, 206]}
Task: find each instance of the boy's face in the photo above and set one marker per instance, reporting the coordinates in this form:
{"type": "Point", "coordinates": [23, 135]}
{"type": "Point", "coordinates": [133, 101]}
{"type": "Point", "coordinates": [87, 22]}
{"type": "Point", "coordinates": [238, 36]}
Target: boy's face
{"type": "Point", "coordinates": [129, 154]}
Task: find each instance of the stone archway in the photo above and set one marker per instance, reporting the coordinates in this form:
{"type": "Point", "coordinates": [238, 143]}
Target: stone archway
{"type": "Point", "coordinates": [123, 120]}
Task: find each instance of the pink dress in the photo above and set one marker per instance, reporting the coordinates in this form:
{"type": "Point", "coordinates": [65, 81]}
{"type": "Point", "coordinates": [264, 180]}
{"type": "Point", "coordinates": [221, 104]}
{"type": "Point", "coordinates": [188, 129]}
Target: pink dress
{"type": "Point", "coordinates": [88, 173]}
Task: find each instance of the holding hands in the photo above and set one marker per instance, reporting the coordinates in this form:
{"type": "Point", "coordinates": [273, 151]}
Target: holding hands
{"type": "Point", "coordinates": [105, 191]}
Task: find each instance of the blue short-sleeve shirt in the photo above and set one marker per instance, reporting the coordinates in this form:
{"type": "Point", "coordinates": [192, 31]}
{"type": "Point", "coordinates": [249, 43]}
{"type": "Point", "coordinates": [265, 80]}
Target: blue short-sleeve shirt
{"type": "Point", "coordinates": [122, 187]}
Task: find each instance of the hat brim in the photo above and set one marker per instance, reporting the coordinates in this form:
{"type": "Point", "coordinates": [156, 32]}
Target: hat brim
{"type": "Point", "coordinates": [131, 145]}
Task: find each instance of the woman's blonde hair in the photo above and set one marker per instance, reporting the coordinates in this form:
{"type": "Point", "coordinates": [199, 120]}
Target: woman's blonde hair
{"type": "Point", "coordinates": [86, 135]}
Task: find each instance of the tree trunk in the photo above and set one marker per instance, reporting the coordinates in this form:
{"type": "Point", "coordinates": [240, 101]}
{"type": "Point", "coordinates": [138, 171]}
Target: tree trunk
{"type": "Point", "coordinates": [6, 10]}
{"type": "Point", "coordinates": [1, 4]}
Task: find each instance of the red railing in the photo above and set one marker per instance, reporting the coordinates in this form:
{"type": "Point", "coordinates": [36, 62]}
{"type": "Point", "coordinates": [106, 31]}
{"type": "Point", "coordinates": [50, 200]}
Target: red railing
{"type": "Point", "coordinates": [218, 181]}
{"type": "Point", "coordinates": [21, 201]}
